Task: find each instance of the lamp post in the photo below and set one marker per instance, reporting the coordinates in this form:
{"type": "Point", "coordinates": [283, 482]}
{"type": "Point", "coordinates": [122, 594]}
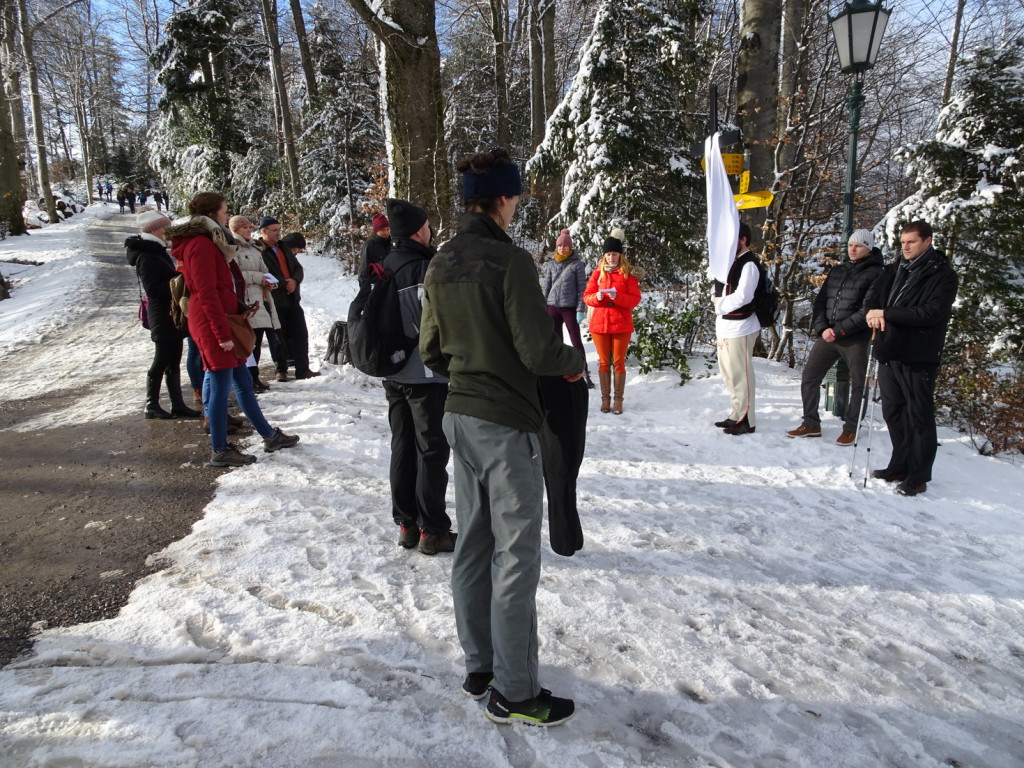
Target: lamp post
{"type": "Point", "coordinates": [858, 31]}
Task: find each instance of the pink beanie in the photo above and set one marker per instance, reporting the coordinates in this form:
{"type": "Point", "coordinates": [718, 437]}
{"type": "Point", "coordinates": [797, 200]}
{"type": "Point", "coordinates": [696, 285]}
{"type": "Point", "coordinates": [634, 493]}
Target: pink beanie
{"type": "Point", "coordinates": [564, 239]}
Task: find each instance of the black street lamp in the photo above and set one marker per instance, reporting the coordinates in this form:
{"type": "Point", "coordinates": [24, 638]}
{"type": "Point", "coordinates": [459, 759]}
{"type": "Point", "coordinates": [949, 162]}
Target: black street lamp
{"type": "Point", "coordinates": [858, 31]}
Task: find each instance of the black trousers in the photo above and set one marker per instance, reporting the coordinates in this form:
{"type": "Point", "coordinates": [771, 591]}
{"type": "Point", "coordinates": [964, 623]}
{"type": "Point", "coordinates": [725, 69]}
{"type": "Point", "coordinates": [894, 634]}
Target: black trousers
{"type": "Point", "coordinates": [823, 356]}
{"type": "Point", "coordinates": [908, 407]}
{"type": "Point", "coordinates": [563, 440]}
{"type": "Point", "coordinates": [274, 342]}
{"type": "Point", "coordinates": [294, 337]}
{"type": "Point", "coordinates": [419, 455]}
{"type": "Point", "coordinates": [166, 353]}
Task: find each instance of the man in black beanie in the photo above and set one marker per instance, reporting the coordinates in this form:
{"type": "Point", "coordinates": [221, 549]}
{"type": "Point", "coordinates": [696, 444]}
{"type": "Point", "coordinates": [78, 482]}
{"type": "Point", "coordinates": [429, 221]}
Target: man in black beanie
{"type": "Point", "coordinates": [416, 397]}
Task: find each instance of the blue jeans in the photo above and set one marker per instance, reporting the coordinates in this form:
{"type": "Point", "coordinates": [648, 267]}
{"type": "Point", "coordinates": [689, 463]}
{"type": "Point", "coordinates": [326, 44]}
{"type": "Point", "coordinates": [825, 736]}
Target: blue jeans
{"type": "Point", "coordinates": [194, 364]}
{"type": "Point", "coordinates": [215, 401]}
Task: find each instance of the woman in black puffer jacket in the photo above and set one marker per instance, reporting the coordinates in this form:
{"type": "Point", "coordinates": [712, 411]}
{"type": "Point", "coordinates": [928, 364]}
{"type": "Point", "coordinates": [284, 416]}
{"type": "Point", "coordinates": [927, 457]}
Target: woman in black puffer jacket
{"type": "Point", "coordinates": [147, 252]}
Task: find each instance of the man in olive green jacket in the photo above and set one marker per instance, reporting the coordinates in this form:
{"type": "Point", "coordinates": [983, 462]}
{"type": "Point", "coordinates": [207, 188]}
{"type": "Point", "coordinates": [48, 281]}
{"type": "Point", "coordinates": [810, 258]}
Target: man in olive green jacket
{"type": "Point", "coordinates": [485, 327]}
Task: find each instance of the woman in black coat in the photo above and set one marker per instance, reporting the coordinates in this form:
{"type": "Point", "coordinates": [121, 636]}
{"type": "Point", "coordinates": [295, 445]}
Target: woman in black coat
{"type": "Point", "coordinates": [147, 252]}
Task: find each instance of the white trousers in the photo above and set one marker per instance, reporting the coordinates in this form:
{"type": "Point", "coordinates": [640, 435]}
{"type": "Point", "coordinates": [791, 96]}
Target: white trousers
{"type": "Point", "coordinates": [736, 362]}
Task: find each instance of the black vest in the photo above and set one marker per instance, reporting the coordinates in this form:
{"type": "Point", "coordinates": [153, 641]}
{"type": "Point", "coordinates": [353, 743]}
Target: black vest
{"type": "Point", "coordinates": [724, 289]}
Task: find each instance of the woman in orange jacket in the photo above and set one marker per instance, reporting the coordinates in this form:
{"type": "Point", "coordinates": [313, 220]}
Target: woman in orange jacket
{"type": "Point", "coordinates": [613, 292]}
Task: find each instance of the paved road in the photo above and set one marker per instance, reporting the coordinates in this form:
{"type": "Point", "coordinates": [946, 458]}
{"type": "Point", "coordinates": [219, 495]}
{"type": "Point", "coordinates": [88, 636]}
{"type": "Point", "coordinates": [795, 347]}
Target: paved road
{"type": "Point", "coordinates": [89, 490]}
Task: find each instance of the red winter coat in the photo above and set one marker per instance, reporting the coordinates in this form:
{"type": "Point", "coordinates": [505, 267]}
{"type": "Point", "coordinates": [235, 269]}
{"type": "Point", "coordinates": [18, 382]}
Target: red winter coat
{"type": "Point", "coordinates": [612, 315]}
{"type": "Point", "coordinates": [211, 287]}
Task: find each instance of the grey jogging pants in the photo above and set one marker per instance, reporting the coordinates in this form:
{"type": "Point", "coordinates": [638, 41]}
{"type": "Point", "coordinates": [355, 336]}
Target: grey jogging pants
{"type": "Point", "coordinates": [499, 506]}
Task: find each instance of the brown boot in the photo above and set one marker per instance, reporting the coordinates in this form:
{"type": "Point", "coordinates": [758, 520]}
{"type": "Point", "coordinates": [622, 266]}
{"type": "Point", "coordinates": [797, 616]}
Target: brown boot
{"type": "Point", "coordinates": [620, 385]}
{"type": "Point", "coordinates": [197, 397]}
{"type": "Point", "coordinates": [605, 378]}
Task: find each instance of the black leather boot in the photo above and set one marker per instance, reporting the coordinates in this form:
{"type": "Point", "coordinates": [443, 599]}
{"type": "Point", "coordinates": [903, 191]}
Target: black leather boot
{"type": "Point", "coordinates": [153, 409]}
{"type": "Point", "coordinates": [178, 407]}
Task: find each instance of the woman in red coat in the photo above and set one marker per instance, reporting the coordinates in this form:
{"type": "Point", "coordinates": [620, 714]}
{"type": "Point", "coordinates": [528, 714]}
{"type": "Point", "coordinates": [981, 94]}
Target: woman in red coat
{"type": "Point", "coordinates": [613, 292]}
{"type": "Point", "coordinates": [217, 289]}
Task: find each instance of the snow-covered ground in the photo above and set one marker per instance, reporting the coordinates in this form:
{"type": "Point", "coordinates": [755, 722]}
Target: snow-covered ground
{"type": "Point", "coordinates": [740, 601]}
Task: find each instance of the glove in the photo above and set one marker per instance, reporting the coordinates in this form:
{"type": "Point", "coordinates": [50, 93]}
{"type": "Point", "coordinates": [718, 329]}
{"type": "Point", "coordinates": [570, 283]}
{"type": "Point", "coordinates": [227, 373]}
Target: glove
{"type": "Point", "coordinates": [580, 317]}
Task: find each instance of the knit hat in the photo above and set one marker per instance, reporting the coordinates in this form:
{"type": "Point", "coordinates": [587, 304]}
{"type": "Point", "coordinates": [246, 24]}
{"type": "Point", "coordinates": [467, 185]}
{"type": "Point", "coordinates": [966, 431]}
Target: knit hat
{"type": "Point", "coordinates": [862, 237]}
{"type": "Point", "coordinates": [267, 221]}
{"type": "Point", "coordinates": [564, 238]}
{"type": "Point", "coordinates": [613, 243]}
{"type": "Point", "coordinates": [151, 221]}
{"type": "Point", "coordinates": [380, 221]}
{"type": "Point", "coordinates": [406, 219]}
{"type": "Point", "coordinates": [238, 220]}
{"type": "Point", "coordinates": [496, 181]}
{"type": "Point", "coordinates": [294, 240]}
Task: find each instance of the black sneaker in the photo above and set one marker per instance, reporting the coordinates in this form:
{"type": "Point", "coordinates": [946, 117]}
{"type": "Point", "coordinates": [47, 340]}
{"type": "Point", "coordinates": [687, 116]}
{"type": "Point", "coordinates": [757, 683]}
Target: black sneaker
{"type": "Point", "coordinates": [725, 423]}
{"type": "Point", "coordinates": [543, 709]}
{"type": "Point", "coordinates": [410, 535]}
{"type": "Point", "coordinates": [279, 440]}
{"type": "Point", "coordinates": [231, 457]}
{"type": "Point", "coordinates": [432, 543]}
{"type": "Point", "coordinates": [477, 684]}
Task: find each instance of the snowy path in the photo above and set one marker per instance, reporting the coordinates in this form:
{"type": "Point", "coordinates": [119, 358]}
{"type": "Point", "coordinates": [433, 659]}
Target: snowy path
{"type": "Point", "coordinates": [739, 602]}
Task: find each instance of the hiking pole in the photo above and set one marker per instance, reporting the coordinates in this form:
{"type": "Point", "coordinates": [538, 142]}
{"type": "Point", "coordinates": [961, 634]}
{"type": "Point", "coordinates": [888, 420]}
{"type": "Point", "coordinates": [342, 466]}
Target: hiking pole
{"type": "Point", "coordinates": [871, 420]}
{"type": "Point", "coordinates": [862, 406]}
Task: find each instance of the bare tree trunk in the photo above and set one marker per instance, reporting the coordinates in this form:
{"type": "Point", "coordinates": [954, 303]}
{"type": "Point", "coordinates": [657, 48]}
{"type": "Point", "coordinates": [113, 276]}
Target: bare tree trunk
{"type": "Point", "coordinates": [413, 102]}
{"type": "Point", "coordinates": [12, 196]}
{"type": "Point", "coordinates": [307, 60]}
{"type": "Point", "coordinates": [757, 82]}
{"type": "Point", "coordinates": [954, 52]}
{"type": "Point", "coordinates": [498, 28]}
{"type": "Point", "coordinates": [39, 136]}
{"type": "Point", "coordinates": [281, 93]}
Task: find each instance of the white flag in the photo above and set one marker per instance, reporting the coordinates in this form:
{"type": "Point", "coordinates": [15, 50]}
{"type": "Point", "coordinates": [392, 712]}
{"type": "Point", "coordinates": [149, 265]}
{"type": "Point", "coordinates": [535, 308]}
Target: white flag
{"type": "Point", "coordinates": [723, 221]}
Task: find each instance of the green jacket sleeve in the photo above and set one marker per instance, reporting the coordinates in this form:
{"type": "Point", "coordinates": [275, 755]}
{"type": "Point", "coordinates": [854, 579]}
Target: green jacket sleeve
{"type": "Point", "coordinates": [533, 334]}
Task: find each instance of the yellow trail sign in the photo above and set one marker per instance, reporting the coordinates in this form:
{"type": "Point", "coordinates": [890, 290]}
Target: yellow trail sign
{"type": "Point", "coordinates": [754, 200]}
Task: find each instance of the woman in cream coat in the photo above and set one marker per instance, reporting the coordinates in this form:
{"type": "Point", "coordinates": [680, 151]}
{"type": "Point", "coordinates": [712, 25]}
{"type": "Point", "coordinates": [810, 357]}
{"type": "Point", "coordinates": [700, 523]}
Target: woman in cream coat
{"type": "Point", "coordinates": [257, 289]}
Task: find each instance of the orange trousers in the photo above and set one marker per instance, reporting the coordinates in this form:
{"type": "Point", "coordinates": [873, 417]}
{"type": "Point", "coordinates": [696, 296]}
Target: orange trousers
{"type": "Point", "coordinates": [611, 350]}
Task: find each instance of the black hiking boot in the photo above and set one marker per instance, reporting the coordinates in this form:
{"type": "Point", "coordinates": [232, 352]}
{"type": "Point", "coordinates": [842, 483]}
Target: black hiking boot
{"type": "Point", "coordinates": [477, 684]}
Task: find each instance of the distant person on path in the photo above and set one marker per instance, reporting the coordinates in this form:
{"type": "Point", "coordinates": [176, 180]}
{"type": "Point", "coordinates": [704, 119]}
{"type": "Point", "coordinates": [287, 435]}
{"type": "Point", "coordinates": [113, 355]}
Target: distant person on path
{"type": "Point", "coordinates": [910, 305]}
{"type": "Point", "coordinates": [416, 396]}
{"type": "Point", "coordinates": [258, 289]}
{"type": "Point", "coordinates": [157, 198]}
{"type": "Point", "coordinates": [485, 327]}
{"type": "Point", "coordinates": [147, 252]}
{"type": "Point", "coordinates": [121, 200]}
{"type": "Point", "coordinates": [99, 189]}
{"type": "Point", "coordinates": [375, 249]}
{"type": "Point", "coordinates": [110, 190]}
{"type": "Point", "coordinates": [839, 320]}
{"type": "Point", "coordinates": [217, 289]}
{"type": "Point", "coordinates": [737, 330]}
{"type": "Point", "coordinates": [563, 281]}
{"type": "Point", "coordinates": [128, 192]}
{"type": "Point", "coordinates": [614, 292]}
{"type": "Point", "coordinates": [282, 264]}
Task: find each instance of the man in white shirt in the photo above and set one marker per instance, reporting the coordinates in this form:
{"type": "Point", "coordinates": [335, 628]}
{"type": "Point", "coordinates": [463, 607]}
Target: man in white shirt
{"type": "Point", "coordinates": [737, 330]}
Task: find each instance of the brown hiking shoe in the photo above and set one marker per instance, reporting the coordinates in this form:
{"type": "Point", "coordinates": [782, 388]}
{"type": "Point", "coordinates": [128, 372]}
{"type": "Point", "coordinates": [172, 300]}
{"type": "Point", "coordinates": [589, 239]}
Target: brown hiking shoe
{"type": "Point", "coordinates": [231, 457]}
{"type": "Point", "coordinates": [803, 431]}
{"type": "Point", "coordinates": [410, 535]}
{"type": "Point", "coordinates": [846, 438]}
{"type": "Point", "coordinates": [432, 543]}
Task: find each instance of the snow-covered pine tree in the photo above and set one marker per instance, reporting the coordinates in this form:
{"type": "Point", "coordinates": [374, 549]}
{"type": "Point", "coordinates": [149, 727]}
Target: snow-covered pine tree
{"type": "Point", "coordinates": [970, 179]}
{"type": "Point", "coordinates": [206, 67]}
{"type": "Point", "coordinates": [343, 139]}
{"type": "Point", "coordinates": [620, 137]}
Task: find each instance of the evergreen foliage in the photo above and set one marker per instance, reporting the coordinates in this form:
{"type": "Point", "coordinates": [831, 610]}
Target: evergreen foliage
{"type": "Point", "coordinates": [342, 143]}
{"type": "Point", "coordinates": [970, 178]}
{"type": "Point", "coordinates": [621, 134]}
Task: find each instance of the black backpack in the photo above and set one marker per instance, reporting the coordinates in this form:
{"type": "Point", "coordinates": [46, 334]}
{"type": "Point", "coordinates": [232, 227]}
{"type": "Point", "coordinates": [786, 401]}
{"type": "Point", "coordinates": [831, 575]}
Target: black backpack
{"type": "Point", "coordinates": [766, 299]}
{"type": "Point", "coordinates": [337, 344]}
{"type": "Point", "coordinates": [377, 343]}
